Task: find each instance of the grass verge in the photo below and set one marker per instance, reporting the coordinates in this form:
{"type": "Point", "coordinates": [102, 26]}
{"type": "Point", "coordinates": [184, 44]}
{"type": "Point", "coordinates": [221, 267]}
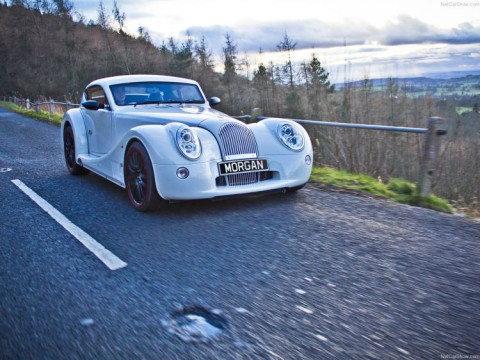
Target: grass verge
{"type": "Point", "coordinates": [41, 115]}
{"type": "Point", "coordinates": [398, 190]}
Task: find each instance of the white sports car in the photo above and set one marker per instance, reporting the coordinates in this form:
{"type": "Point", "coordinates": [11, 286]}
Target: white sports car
{"type": "Point", "coordinates": [158, 137]}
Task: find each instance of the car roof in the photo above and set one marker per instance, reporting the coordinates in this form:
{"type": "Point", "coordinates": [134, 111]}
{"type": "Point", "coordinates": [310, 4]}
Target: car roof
{"type": "Point", "coordinates": [123, 79]}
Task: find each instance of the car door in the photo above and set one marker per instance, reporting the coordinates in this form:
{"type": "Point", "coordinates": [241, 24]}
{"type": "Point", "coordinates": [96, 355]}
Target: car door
{"type": "Point", "coordinates": [98, 123]}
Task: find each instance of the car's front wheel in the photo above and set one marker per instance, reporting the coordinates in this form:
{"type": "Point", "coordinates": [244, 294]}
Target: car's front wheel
{"type": "Point", "coordinates": [69, 151]}
{"type": "Point", "coordinates": [140, 180]}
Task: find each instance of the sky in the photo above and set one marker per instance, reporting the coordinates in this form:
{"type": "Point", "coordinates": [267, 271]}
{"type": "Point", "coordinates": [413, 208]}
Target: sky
{"type": "Point", "coordinates": [353, 39]}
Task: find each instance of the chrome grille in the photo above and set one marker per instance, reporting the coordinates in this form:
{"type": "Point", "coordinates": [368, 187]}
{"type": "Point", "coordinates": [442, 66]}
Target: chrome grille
{"type": "Point", "coordinates": [237, 139]}
{"type": "Point", "coordinates": [242, 179]}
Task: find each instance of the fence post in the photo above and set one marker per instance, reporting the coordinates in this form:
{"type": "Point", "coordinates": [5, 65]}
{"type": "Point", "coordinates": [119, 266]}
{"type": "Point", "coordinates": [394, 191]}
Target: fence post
{"type": "Point", "coordinates": [52, 107]}
{"type": "Point", "coordinates": [28, 104]}
{"type": "Point", "coordinates": [430, 155]}
{"type": "Point", "coordinates": [256, 112]}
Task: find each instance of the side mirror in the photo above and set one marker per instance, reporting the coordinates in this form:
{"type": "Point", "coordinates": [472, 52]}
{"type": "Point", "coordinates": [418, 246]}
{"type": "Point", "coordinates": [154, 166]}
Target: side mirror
{"type": "Point", "coordinates": [92, 105]}
{"type": "Point", "coordinates": [214, 101]}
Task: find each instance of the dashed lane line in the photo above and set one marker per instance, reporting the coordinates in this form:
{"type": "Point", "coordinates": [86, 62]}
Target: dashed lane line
{"type": "Point", "coordinates": [105, 255]}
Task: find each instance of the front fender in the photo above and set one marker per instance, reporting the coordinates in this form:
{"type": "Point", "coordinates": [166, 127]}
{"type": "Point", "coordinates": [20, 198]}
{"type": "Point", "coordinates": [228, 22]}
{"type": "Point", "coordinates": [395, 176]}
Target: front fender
{"type": "Point", "coordinates": [265, 132]}
{"type": "Point", "coordinates": [160, 143]}
{"type": "Point", "coordinates": [159, 140]}
{"type": "Point", "coordinates": [73, 117]}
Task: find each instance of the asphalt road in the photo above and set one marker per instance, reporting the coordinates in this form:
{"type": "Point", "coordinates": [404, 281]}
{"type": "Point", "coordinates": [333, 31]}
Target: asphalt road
{"type": "Point", "coordinates": [313, 275]}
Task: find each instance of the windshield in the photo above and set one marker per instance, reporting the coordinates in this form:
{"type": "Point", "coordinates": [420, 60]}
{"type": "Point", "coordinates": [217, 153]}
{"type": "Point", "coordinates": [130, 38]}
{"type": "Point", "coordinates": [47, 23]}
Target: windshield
{"type": "Point", "coordinates": [156, 93]}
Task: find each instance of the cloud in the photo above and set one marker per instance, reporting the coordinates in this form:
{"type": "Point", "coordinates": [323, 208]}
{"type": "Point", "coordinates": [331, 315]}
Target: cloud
{"type": "Point", "coordinates": [408, 30]}
{"type": "Point", "coordinates": [401, 30]}
{"type": "Point", "coordinates": [307, 34]}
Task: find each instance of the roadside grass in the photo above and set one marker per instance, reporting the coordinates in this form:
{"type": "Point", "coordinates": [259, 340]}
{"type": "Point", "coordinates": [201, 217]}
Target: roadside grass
{"type": "Point", "coordinates": [55, 119]}
{"type": "Point", "coordinates": [396, 189]}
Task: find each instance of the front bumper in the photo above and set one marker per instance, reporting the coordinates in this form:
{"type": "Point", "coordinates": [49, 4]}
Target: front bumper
{"type": "Point", "coordinates": [286, 171]}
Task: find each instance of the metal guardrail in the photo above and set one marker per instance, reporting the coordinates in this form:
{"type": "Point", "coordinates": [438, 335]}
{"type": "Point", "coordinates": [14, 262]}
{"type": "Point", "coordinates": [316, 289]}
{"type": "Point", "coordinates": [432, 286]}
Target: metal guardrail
{"type": "Point", "coordinates": [430, 152]}
{"type": "Point", "coordinates": [339, 124]}
{"type": "Point", "coordinates": [27, 104]}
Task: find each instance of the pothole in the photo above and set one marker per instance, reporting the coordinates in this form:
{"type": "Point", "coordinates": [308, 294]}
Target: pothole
{"type": "Point", "coordinates": [196, 324]}
{"type": "Point", "coordinates": [5, 169]}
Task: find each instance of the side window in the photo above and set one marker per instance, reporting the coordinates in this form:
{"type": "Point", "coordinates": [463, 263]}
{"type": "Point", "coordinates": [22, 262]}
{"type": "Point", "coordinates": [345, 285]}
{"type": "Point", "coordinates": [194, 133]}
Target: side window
{"type": "Point", "coordinates": [96, 93]}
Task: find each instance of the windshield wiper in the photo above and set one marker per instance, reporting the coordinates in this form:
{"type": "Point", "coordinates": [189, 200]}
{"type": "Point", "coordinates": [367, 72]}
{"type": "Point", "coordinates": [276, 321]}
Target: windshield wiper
{"type": "Point", "coordinates": [194, 102]}
{"type": "Point", "coordinates": [183, 102]}
{"type": "Point", "coordinates": [146, 103]}
{"type": "Point", "coordinates": [157, 102]}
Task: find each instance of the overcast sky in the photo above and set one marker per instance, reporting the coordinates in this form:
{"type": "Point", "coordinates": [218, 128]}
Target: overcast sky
{"type": "Point", "coordinates": [374, 38]}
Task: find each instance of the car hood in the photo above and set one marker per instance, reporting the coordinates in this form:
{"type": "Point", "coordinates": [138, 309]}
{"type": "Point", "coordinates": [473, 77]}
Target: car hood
{"type": "Point", "coordinates": [190, 115]}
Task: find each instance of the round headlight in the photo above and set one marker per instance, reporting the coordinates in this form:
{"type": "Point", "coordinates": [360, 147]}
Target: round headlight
{"type": "Point", "coordinates": [291, 136]}
{"type": "Point", "coordinates": [188, 143]}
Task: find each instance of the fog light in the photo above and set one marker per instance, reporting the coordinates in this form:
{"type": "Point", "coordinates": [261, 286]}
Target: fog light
{"type": "Point", "coordinates": [308, 160]}
{"type": "Point", "coordinates": [182, 173]}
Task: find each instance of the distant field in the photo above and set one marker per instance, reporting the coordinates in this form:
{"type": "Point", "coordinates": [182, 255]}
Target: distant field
{"type": "Point", "coordinates": [421, 86]}
{"type": "Point", "coordinates": [460, 110]}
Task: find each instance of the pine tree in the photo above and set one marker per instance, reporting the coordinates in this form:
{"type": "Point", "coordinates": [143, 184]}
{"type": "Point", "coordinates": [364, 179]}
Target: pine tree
{"type": "Point", "coordinates": [317, 85]}
{"type": "Point", "coordinates": [230, 73]}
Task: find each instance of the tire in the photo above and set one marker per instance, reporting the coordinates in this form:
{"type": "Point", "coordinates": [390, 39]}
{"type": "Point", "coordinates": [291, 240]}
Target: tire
{"type": "Point", "coordinates": [140, 179]}
{"type": "Point", "coordinates": [70, 154]}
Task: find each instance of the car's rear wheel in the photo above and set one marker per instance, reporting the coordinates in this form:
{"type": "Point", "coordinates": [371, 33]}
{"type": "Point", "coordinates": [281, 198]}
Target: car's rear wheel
{"type": "Point", "coordinates": [140, 180]}
{"type": "Point", "coordinates": [69, 151]}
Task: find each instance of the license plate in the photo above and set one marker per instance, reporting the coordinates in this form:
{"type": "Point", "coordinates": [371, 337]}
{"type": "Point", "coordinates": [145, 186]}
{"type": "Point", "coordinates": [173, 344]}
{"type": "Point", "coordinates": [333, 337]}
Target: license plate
{"type": "Point", "coordinates": [242, 166]}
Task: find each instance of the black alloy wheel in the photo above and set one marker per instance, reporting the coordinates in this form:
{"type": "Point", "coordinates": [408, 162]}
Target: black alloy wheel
{"type": "Point", "coordinates": [69, 151]}
{"type": "Point", "coordinates": [140, 180]}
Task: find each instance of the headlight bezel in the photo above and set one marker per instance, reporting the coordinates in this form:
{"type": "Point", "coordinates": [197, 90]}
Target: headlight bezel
{"type": "Point", "coordinates": [291, 136]}
{"type": "Point", "coordinates": [188, 143]}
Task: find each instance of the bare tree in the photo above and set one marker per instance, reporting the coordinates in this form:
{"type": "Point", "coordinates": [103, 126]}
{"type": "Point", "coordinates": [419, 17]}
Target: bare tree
{"type": "Point", "coordinates": [103, 19]}
{"type": "Point", "coordinates": [119, 18]}
{"type": "Point", "coordinates": [288, 45]}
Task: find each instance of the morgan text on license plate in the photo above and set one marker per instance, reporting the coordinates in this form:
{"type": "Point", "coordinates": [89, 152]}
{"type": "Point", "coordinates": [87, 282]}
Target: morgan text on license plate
{"type": "Point", "coordinates": [243, 166]}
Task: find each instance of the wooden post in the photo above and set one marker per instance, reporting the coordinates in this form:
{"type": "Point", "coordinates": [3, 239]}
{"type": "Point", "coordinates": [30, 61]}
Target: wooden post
{"type": "Point", "coordinates": [430, 156]}
{"type": "Point", "coordinates": [256, 112]}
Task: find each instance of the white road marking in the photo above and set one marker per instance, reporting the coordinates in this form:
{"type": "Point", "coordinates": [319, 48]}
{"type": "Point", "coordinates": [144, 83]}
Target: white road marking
{"type": "Point", "coordinates": [321, 337]}
{"type": "Point", "coordinates": [304, 309]}
{"type": "Point", "coordinates": [241, 310]}
{"type": "Point", "coordinates": [107, 257]}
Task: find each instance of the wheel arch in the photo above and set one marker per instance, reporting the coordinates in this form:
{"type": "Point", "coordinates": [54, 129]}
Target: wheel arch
{"type": "Point", "coordinates": [129, 143]}
{"type": "Point", "coordinates": [154, 200]}
{"type": "Point", "coordinates": [74, 119]}
{"type": "Point", "coordinates": [158, 141]}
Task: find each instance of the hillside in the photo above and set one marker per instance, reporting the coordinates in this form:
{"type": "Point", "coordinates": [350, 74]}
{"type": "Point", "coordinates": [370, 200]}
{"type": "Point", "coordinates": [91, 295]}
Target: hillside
{"type": "Point", "coordinates": [47, 53]}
